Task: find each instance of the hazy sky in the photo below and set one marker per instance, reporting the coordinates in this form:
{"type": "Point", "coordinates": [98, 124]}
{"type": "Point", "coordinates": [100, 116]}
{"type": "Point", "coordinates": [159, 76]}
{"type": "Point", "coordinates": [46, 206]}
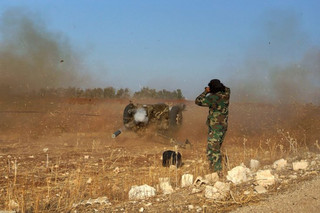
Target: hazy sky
{"type": "Point", "coordinates": [171, 44]}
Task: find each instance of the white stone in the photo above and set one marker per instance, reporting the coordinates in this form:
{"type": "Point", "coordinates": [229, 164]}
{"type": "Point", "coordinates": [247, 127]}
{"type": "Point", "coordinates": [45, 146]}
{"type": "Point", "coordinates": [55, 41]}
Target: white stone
{"type": "Point", "coordinates": [102, 200]}
{"type": "Point", "coordinates": [89, 181]}
{"type": "Point", "coordinates": [190, 207]}
{"type": "Point", "coordinates": [280, 164]}
{"type": "Point", "coordinates": [285, 181]}
{"type": "Point", "coordinates": [300, 165]}
{"type": "Point", "coordinates": [212, 178]}
{"type": "Point", "coordinates": [254, 164]}
{"type": "Point", "coordinates": [116, 170]}
{"type": "Point", "coordinates": [313, 163]}
{"type": "Point", "coordinates": [141, 209]}
{"type": "Point", "coordinates": [211, 192]}
{"type": "Point", "coordinates": [45, 150]}
{"type": "Point", "coordinates": [90, 201]}
{"type": "Point", "coordinates": [172, 167]}
{"type": "Point", "coordinates": [310, 173]}
{"type": "Point", "coordinates": [195, 190]}
{"type": "Point", "coordinates": [141, 192]}
{"type": "Point", "coordinates": [217, 192]}
{"type": "Point", "coordinates": [199, 209]}
{"type": "Point", "coordinates": [165, 186]}
{"type": "Point", "coordinates": [260, 189]}
{"type": "Point", "coordinates": [222, 187]}
{"type": "Point", "coordinates": [13, 205]}
{"type": "Point", "coordinates": [239, 174]}
{"type": "Point", "coordinates": [293, 176]}
{"type": "Point", "coordinates": [186, 180]}
{"type": "Point", "coordinates": [265, 178]}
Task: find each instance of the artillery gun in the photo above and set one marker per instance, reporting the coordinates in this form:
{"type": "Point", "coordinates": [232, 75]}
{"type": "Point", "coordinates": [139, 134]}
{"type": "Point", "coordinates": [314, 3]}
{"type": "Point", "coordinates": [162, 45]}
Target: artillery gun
{"type": "Point", "coordinates": [138, 117]}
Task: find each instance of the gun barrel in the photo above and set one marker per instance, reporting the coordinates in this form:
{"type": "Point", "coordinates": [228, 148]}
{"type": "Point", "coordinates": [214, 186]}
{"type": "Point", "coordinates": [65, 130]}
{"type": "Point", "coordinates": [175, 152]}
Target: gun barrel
{"type": "Point", "coordinates": [116, 133]}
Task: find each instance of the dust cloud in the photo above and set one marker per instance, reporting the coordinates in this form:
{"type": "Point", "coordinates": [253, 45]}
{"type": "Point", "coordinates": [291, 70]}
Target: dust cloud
{"type": "Point", "coordinates": [281, 65]}
{"type": "Point", "coordinates": [32, 57]}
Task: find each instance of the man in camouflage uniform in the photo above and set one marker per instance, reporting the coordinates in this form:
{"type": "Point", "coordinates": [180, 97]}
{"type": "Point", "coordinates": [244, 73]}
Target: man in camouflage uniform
{"type": "Point", "coordinates": [216, 97]}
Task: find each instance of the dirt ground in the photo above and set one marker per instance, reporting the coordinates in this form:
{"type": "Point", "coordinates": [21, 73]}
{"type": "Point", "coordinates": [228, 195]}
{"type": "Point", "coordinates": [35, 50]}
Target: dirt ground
{"type": "Point", "coordinates": [300, 197]}
{"type": "Point", "coordinates": [55, 153]}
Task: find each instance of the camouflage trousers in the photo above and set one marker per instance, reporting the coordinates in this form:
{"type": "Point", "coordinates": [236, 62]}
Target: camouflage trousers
{"type": "Point", "coordinates": [216, 136]}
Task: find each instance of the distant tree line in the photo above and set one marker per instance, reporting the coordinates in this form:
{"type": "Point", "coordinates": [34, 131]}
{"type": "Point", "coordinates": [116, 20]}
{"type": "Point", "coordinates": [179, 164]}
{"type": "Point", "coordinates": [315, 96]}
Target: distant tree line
{"type": "Point", "coordinates": [110, 92]}
{"type": "Point", "coordinates": [145, 92]}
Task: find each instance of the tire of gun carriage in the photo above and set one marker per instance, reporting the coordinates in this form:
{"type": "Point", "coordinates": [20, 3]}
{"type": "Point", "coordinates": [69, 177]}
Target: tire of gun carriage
{"type": "Point", "coordinates": [128, 113]}
{"type": "Point", "coordinates": [175, 116]}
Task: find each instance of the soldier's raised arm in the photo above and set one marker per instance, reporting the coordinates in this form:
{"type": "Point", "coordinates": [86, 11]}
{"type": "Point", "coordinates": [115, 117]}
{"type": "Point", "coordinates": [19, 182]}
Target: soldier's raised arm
{"type": "Point", "coordinates": [201, 100]}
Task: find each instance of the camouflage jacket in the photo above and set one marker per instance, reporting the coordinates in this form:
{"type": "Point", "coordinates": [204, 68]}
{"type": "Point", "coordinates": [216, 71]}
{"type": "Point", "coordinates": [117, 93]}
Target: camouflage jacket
{"type": "Point", "coordinates": [218, 104]}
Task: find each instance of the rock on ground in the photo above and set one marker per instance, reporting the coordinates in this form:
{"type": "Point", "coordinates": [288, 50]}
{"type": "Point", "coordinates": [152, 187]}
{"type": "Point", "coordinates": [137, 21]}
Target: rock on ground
{"type": "Point", "coordinates": [280, 164]}
{"type": "Point", "coordinates": [186, 180]}
{"type": "Point", "coordinates": [254, 164]}
{"type": "Point", "coordinates": [217, 192]}
{"type": "Point", "coordinates": [265, 178]}
{"type": "Point", "coordinates": [165, 185]}
{"type": "Point", "coordinates": [141, 192]}
{"type": "Point", "coordinates": [212, 178]}
{"type": "Point", "coordinates": [239, 174]}
{"type": "Point", "coordinates": [300, 165]}
{"type": "Point", "coordinates": [260, 189]}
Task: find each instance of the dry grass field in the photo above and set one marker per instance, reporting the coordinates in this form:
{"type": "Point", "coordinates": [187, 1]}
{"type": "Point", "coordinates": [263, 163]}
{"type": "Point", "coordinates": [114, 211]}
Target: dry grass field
{"type": "Point", "coordinates": [55, 153]}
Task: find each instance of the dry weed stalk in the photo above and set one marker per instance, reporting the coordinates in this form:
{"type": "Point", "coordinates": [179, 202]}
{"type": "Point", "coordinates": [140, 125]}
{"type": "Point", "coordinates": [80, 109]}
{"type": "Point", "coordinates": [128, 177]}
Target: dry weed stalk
{"type": "Point", "coordinates": [293, 143]}
{"type": "Point", "coordinates": [176, 169]}
{"type": "Point", "coordinates": [317, 144]}
{"type": "Point", "coordinates": [15, 172]}
{"type": "Point", "coordinates": [227, 164]}
{"type": "Point", "coordinates": [272, 148]}
{"type": "Point", "coordinates": [244, 148]}
{"type": "Point", "coordinates": [93, 145]}
{"type": "Point", "coordinates": [48, 189]}
{"type": "Point", "coordinates": [121, 154]}
{"type": "Point", "coordinates": [47, 162]}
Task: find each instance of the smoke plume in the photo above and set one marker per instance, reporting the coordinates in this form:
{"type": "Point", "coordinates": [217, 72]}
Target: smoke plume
{"type": "Point", "coordinates": [31, 57]}
{"type": "Point", "coordinates": [141, 116]}
{"type": "Point", "coordinates": [281, 66]}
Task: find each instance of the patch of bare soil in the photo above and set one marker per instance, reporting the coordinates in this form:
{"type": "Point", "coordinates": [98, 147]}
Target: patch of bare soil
{"type": "Point", "coordinates": [300, 197]}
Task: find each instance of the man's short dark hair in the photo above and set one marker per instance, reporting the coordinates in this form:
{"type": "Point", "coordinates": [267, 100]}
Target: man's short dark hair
{"type": "Point", "coordinates": [216, 86]}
